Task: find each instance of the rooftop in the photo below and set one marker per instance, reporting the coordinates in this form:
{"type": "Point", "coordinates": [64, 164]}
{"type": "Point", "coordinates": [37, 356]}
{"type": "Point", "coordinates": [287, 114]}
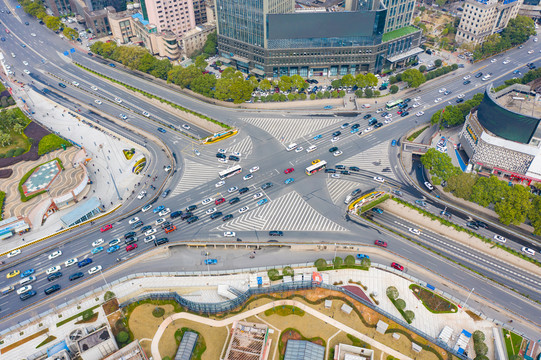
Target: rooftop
{"type": "Point", "coordinates": [519, 99]}
{"type": "Point", "coordinates": [247, 341]}
{"type": "Point", "coordinates": [395, 34]}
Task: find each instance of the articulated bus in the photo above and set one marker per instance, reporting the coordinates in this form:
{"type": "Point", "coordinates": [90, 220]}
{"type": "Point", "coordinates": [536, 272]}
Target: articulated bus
{"type": "Point", "coordinates": [316, 167]}
{"type": "Point", "coordinates": [230, 172]}
{"type": "Point", "coordinates": [393, 103]}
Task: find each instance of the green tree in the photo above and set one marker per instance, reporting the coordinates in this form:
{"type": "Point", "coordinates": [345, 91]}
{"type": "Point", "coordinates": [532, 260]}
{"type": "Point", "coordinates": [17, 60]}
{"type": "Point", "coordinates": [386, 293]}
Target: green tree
{"type": "Point", "coordinates": [320, 264]}
{"type": "Point", "coordinates": [5, 139]}
{"type": "Point", "coordinates": [341, 93]}
{"type": "Point", "coordinates": [70, 33]}
{"type": "Point", "coordinates": [392, 80]}
{"type": "Point", "coordinates": [52, 22]}
{"type": "Point", "coordinates": [409, 315]}
{"type": "Point", "coordinates": [348, 80]}
{"type": "Point", "coordinates": [461, 185]}
{"type": "Point", "coordinates": [319, 95]}
{"type": "Point", "coordinates": [204, 84]}
{"type": "Point", "coordinates": [288, 271]}
{"type": "Point", "coordinates": [359, 93]}
{"type": "Point", "coordinates": [349, 260]}
{"type": "Point", "coordinates": [488, 191]}
{"type": "Point", "coordinates": [422, 68]}
{"type": "Point", "coordinates": [478, 335]}
{"type": "Point", "coordinates": [368, 93]}
{"type": "Point", "coordinates": [336, 83]}
{"type": "Point", "coordinates": [312, 96]}
{"type": "Point", "coordinates": [210, 47]}
{"type": "Point", "coordinates": [200, 62]}
{"type": "Point", "coordinates": [87, 314]}
{"type": "Point", "coordinates": [437, 63]}
{"type": "Point", "coordinates": [273, 274]}
{"type": "Point", "coordinates": [518, 30]}
{"type": "Point", "coordinates": [514, 208]}
{"type": "Point", "coordinates": [365, 263]}
{"type": "Point", "coordinates": [400, 304]}
{"type": "Point", "coordinates": [371, 79]}
{"type": "Point", "coordinates": [480, 348]}
{"type": "Point", "coordinates": [535, 215]}
{"type": "Point", "coordinates": [161, 69]}
{"type": "Point", "coordinates": [284, 83]}
{"type": "Point", "coordinates": [413, 77]}
{"type": "Point", "coordinates": [297, 82]}
{"type": "Point", "coordinates": [439, 164]}
{"type": "Point", "coordinates": [392, 292]}
{"type": "Point", "coordinates": [265, 85]}
{"type": "Point", "coordinates": [183, 77]}
{"type": "Point", "coordinates": [108, 296]}
{"type": "Point", "coordinates": [360, 81]}
{"type": "Point", "coordinates": [338, 262]}
{"type": "Point", "coordinates": [18, 128]}
{"type": "Point", "coordinates": [147, 63]}
{"type": "Point", "coordinates": [393, 89]}
{"type": "Point", "coordinates": [122, 337]}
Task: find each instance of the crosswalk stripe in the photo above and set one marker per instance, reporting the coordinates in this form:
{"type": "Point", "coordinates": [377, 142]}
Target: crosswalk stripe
{"type": "Point", "coordinates": [374, 159]}
{"type": "Point", "coordinates": [288, 213]}
{"type": "Point", "coordinates": [287, 130]}
{"type": "Point", "coordinates": [339, 189]}
{"type": "Point", "coordinates": [195, 174]}
{"type": "Point", "coordinates": [244, 147]}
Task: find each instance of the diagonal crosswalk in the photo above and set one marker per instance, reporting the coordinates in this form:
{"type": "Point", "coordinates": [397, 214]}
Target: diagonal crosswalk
{"type": "Point", "coordinates": [375, 159]}
{"type": "Point", "coordinates": [194, 175]}
{"type": "Point", "coordinates": [244, 147]}
{"type": "Point", "coordinates": [288, 130]}
{"type": "Point", "coordinates": [339, 189]}
{"type": "Point", "coordinates": [288, 213]}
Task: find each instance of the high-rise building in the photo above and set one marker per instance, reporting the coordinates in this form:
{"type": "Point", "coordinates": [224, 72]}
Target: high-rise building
{"type": "Point", "coordinates": [482, 18]}
{"type": "Point", "coordinates": [271, 38]}
{"type": "Point", "coordinates": [200, 12]}
{"type": "Point", "coordinates": [399, 14]}
{"type": "Point", "coordinates": [531, 8]}
{"type": "Point", "coordinates": [176, 16]}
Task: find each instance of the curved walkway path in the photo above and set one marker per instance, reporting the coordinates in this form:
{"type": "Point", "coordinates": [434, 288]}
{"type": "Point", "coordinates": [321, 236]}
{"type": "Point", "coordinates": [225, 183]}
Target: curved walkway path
{"type": "Point", "coordinates": [252, 312]}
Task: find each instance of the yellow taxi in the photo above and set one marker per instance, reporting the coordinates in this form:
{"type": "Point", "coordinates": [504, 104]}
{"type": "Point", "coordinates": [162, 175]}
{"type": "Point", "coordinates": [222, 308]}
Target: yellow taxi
{"type": "Point", "coordinates": [13, 273]}
{"type": "Point", "coordinates": [315, 161]}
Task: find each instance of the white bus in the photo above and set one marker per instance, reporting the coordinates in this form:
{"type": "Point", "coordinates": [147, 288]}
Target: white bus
{"type": "Point", "coordinates": [230, 172]}
{"type": "Point", "coordinates": [316, 167]}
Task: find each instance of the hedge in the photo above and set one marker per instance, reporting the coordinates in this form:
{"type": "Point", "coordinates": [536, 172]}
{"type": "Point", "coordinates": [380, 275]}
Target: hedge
{"type": "Point", "coordinates": [25, 177]}
{"type": "Point", "coordinates": [2, 198]}
{"type": "Point", "coordinates": [50, 143]}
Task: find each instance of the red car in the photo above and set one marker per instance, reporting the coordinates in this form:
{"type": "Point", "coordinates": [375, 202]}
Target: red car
{"type": "Point", "coordinates": [287, 171]}
{"type": "Point", "coordinates": [131, 247]}
{"type": "Point", "coordinates": [399, 112]}
{"type": "Point", "coordinates": [170, 229]}
{"type": "Point", "coordinates": [397, 266]}
{"type": "Point", "coordinates": [219, 201]}
{"type": "Point", "coordinates": [380, 243]}
{"type": "Point", "coordinates": [106, 227]}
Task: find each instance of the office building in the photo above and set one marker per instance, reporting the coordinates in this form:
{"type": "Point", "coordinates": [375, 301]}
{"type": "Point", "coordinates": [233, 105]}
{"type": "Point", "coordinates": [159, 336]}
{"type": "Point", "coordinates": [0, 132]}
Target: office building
{"type": "Point", "coordinates": [482, 18]}
{"type": "Point", "coordinates": [200, 11]}
{"type": "Point", "coordinates": [195, 39]}
{"type": "Point", "coordinates": [399, 14]}
{"type": "Point", "coordinates": [502, 135]}
{"type": "Point", "coordinates": [531, 9]}
{"type": "Point", "coordinates": [171, 15]}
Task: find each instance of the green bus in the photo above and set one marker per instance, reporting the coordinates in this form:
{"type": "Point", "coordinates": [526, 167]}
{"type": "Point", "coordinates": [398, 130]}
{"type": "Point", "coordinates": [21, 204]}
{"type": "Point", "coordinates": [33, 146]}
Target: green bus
{"type": "Point", "coordinates": [393, 103]}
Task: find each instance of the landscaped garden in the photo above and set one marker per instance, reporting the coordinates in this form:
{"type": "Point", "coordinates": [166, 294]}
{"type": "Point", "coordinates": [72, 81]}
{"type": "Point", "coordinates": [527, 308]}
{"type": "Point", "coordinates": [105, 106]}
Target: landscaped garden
{"type": "Point", "coordinates": [50, 143]}
{"type": "Point", "coordinates": [13, 141]}
{"type": "Point", "coordinates": [432, 301]}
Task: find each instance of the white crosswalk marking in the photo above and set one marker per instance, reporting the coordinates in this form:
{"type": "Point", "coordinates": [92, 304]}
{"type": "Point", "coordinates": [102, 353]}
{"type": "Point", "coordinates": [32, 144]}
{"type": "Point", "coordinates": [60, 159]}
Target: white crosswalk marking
{"type": "Point", "coordinates": [375, 159]}
{"type": "Point", "coordinates": [244, 147]}
{"type": "Point", "coordinates": [339, 189]}
{"type": "Point", "coordinates": [194, 175]}
{"type": "Point", "coordinates": [289, 213]}
{"type": "Point", "coordinates": [287, 130]}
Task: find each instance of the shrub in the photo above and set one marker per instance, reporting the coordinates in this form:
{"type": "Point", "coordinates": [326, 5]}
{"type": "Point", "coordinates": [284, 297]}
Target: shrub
{"type": "Point", "coordinates": [400, 303]}
{"type": "Point", "coordinates": [480, 348]}
{"type": "Point", "coordinates": [409, 315]}
{"type": "Point", "coordinates": [158, 312]}
{"type": "Point", "coordinates": [87, 314]}
{"type": "Point", "coordinates": [392, 292]}
{"type": "Point", "coordinates": [18, 152]}
{"type": "Point", "coordinates": [393, 89]}
{"type": "Point", "coordinates": [349, 260]}
{"type": "Point", "coordinates": [422, 68]}
{"type": "Point", "coordinates": [122, 337]}
{"type": "Point", "coordinates": [10, 153]}
{"type": "Point", "coordinates": [338, 262]}
{"type": "Point", "coordinates": [288, 271]}
{"type": "Point", "coordinates": [320, 264]}
{"type": "Point", "coordinates": [108, 295]}
{"type": "Point", "coordinates": [478, 335]}
{"type": "Point", "coordinates": [312, 96]}
{"type": "Point", "coordinates": [273, 274]}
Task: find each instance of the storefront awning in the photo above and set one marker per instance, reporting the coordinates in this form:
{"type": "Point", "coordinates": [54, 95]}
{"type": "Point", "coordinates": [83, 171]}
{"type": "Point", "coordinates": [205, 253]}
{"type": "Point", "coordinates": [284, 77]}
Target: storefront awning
{"type": "Point", "coordinates": [405, 55]}
{"type": "Point", "coordinates": [241, 59]}
{"type": "Point", "coordinates": [258, 72]}
{"type": "Point", "coordinates": [225, 60]}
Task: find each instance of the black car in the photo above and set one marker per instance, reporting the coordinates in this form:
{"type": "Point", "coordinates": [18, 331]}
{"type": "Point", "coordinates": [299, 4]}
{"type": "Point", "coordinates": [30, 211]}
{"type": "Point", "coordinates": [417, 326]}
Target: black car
{"type": "Point", "coordinates": [220, 156]}
{"type": "Point", "coordinates": [27, 295]}
{"type": "Point", "coordinates": [330, 171]}
{"type": "Point", "coordinates": [191, 208]}
{"type": "Point", "coordinates": [466, 82]}
{"type": "Point", "coordinates": [382, 87]}
{"type": "Point", "coordinates": [276, 233]}
{"type": "Point", "coordinates": [227, 217]}
{"type": "Point", "coordinates": [234, 201]}
{"type": "Point", "coordinates": [129, 235]}
{"type": "Point", "coordinates": [383, 114]}
{"type": "Point", "coordinates": [216, 215]}
{"type": "Point", "coordinates": [160, 241]}
{"type": "Point", "coordinates": [165, 224]}
{"type": "Point", "coordinates": [186, 215]}
{"type": "Point", "coordinates": [76, 276]}
{"type": "Point", "coordinates": [378, 125]}
{"type": "Point", "coordinates": [404, 114]}
{"type": "Point", "coordinates": [355, 126]}
{"type": "Point", "coordinates": [145, 228]}
{"type": "Point", "coordinates": [354, 168]}
{"type": "Point", "coordinates": [333, 149]}
{"type": "Point", "coordinates": [372, 122]}
{"type": "Point", "coordinates": [478, 75]}
{"type": "Point", "coordinates": [166, 192]}
{"type": "Point", "coordinates": [175, 214]}
{"type": "Point", "coordinates": [473, 225]}
{"type": "Point", "coordinates": [192, 219]}
{"type": "Point", "coordinates": [345, 172]}
{"type": "Point", "coordinates": [137, 224]}
{"type": "Point", "coordinates": [366, 117]}
{"type": "Point", "coordinates": [340, 167]}
{"type": "Point", "coordinates": [459, 100]}
{"type": "Point", "coordinates": [26, 23]}
{"type": "Point", "coordinates": [243, 190]}
{"type": "Point", "coordinates": [54, 276]}
{"type": "Point", "coordinates": [62, 85]}
{"type": "Point", "coordinates": [481, 224]}
{"type": "Point", "coordinates": [266, 186]}
{"type": "Point", "coordinates": [337, 133]}
{"type": "Point", "coordinates": [89, 54]}
{"type": "Point", "coordinates": [407, 100]}
{"type": "Point", "coordinates": [51, 289]}
{"type": "Point", "coordinates": [234, 158]}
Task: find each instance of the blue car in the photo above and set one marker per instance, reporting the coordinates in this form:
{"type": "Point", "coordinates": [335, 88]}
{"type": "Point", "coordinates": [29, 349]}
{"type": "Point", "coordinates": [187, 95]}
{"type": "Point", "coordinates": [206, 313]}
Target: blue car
{"type": "Point", "coordinates": [393, 143]}
{"type": "Point", "coordinates": [159, 208]}
{"type": "Point", "coordinates": [362, 256]}
{"type": "Point", "coordinates": [289, 181]}
{"type": "Point", "coordinates": [211, 261]}
{"type": "Point", "coordinates": [328, 107]}
{"type": "Point", "coordinates": [112, 65]}
{"type": "Point", "coordinates": [377, 210]}
{"type": "Point", "coordinates": [317, 137]}
{"type": "Point", "coordinates": [97, 250]}
{"type": "Point", "coordinates": [516, 72]}
{"type": "Point", "coordinates": [113, 248]}
{"type": "Point", "coordinates": [162, 130]}
{"type": "Point", "coordinates": [262, 202]}
{"type": "Point", "coordinates": [27, 273]}
{"type": "Point", "coordinates": [353, 131]}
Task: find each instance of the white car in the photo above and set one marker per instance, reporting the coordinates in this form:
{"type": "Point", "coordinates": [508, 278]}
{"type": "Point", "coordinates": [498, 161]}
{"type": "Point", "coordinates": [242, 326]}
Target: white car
{"type": "Point", "coordinates": [368, 129]}
{"type": "Point", "coordinates": [466, 77]}
{"type": "Point", "coordinates": [528, 251]}
{"type": "Point", "coordinates": [493, 60]}
{"type": "Point", "coordinates": [25, 63]}
{"type": "Point", "coordinates": [224, 161]}
{"type": "Point", "coordinates": [389, 116]}
{"type": "Point", "coordinates": [95, 88]}
{"type": "Point", "coordinates": [416, 105]}
{"type": "Point", "coordinates": [145, 113]}
{"type": "Point", "coordinates": [146, 208]}
{"type": "Point", "coordinates": [55, 254]}
{"type": "Point", "coordinates": [149, 238]}
{"type": "Point", "coordinates": [247, 177]}
{"type": "Point", "coordinates": [500, 238]}
{"type": "Point", "coordinates": [236, 153]}
{"type": "Point", "coordinates": [118, 100]}
{"type": "Point", "coordinates": [420, 113]}
{"type": "Point", "coordinates": [33, 34]}
{"type": "Point", "coordinates": [507, 61]}
{"type": "Point", "coordinates": [164, 212]}
{"type": "Point", "coordinates": [75, 83]}
{"type": "Point", "coordinates": [221, 151]}
{"type": "Point", "coordinates": [97, 242]}
{"type": "Point", "coordinates": [27, 72]}
{"type": "Point", "coordinates": [299, 149]}
{"type": "Point", "coordinates": [418, 98]}
{"type": "Point", "coordinates": [388, 121]}
{"type": "Point", "coordinates": [14, 253]}
{"type": "Point", "coordinates": [379, 179]}
{"type": "Point", "coordinates": [414, 231]}
{"type": "Point", "coordinates": [232, 189]}
{"type": "Point", "coordinates": [196, 152]}
{"type": "Point", "coordinates": [229, 234]}
{"type": "Point", "coordinates": [244, 209]}
{"type": "Point", "coordinates": [98, 102]}
{"type": "Point", "coordinates": [206, 201]}
{"type": "Point", "coordinates": [437, 100]}
{"type": "Point", "coordinates": [254, 169]}
{"type": "Point", "coordinates": [460, 96]}
{"type": "Point", "coordinates": [335, 139]}
{"type": "Point", "coordinates": [70, 262]}
{"type": "Point", "coordinates": [337, 153]}
{"type": "Point", "coordinates": [258, 195]}
{"type": "Point", "coordinates": [134, 220]}
{"type": "Point", "coordinates": [24, 289]}
{"type": "Point", "coordinates": [53, 270]}
{"type": "Point", "coordinates": [530, 52]}
{"type": "Point", "coordinates": [219, 184]}
{"type": "Point", "coordinates": [159, 221]}
{"type": "Point", "coordinates": [123, 117]}
{"type": "Point", "coordinates": [142, 194]}
{"type": "Point", "coordinates": [150, 232]}
{"type": "Point", "coordinates": [186, 127]}
{"type": "Point", "coordinates": [210, 211]}
{"type": "Point", "coordinates": [94, 270]}
{"type": "Point", "coordinates": [442, 90]}
{"type": "Point", "coordinates": [167, 168]}
{"type": "Point", "coordinates": [335, 176]}
{"type": "Point", "coordinates": [311, 148]}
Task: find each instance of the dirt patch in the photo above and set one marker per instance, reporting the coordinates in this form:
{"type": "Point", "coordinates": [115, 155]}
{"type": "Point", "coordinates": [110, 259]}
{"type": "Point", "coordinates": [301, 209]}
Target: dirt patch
{"type": "Point", "coordinates": [462, 237]}
{"type": "Point", "coordinates": [110, 306]}
{"type": "Point", "coordinates": [357, 291]}
{"type": "Point", "coordinates": [473, 315]}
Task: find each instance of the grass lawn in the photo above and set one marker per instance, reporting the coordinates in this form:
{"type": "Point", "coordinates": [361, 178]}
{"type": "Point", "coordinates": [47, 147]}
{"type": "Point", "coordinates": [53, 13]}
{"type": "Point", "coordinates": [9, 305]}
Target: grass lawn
{"type": "Point", "coordinates": [512, 342]}
{"type": "Point", "coordinates": [416, 134]}
{"type": "Point", "coordinates": [51, 142]}
{"type": "Point", "coordinates": [17, 141]}
{"type": "Point", "coordinates": [399, 32]}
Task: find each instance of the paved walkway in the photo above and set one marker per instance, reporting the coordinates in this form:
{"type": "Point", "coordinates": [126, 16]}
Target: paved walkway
{"type": "Point", "coordinates": [246, 314]}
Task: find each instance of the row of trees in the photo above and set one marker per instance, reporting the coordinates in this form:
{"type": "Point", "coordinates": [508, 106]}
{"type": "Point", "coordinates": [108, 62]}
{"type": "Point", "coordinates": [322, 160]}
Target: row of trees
{"type": "Point", "coordinates": [454, 115]}
{"type": "Point", "coordinates": [513, 204]}
{"type": "Point", "coordinates": [416, 77]}
{"type": "Point", "coordinates": [37, 10]}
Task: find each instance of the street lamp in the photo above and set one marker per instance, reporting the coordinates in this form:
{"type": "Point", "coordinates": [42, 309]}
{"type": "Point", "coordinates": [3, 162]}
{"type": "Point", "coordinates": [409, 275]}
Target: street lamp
{"type": "Point", "coordinates": [463, 306]}
{"type": "Point", "coordinates": [333, 260]}
{"type": "Point", "coordinates": [106, 283]}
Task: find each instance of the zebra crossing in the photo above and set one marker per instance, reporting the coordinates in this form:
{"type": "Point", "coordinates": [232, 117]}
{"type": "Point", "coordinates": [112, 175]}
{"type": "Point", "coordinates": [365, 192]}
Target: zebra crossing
{"type": "Point", "coordinates": [288, 213]}
{"type": "Point", "coordinates": [339, 189]}
{"type": "Point", "coordinates": [194, 175]}
{"type": "Point", "coordinates": [244, 147]}
{"type": "Point", "coordinates": [375, 159]}
{"type": "Point", "coordinates": [288, 130]}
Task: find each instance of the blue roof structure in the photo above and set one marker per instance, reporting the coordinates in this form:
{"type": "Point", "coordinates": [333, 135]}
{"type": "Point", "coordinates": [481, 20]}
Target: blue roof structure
{"type": "Point", "coordinates": [57, 348]}
{"type": "Point", "coordinates": [82, 212]}
{"type": "Point", "coordinates": [304, 350]}
{"type": "Point", "coordinates": [185, 349]}
{"type": "Point", "coordinates": [139, 17]}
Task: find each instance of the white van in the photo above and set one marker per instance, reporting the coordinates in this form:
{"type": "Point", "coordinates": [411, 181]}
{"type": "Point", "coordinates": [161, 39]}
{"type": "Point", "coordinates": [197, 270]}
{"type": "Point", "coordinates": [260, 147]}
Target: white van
{"type": "Point", "coordinates": [27, 280]}
{"type": "Point", "coordinates": [311, 148]}
{"type": "Point", "coordinates": [486, 77]}
{"type": "Point", "coordinates": [291, 146]}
